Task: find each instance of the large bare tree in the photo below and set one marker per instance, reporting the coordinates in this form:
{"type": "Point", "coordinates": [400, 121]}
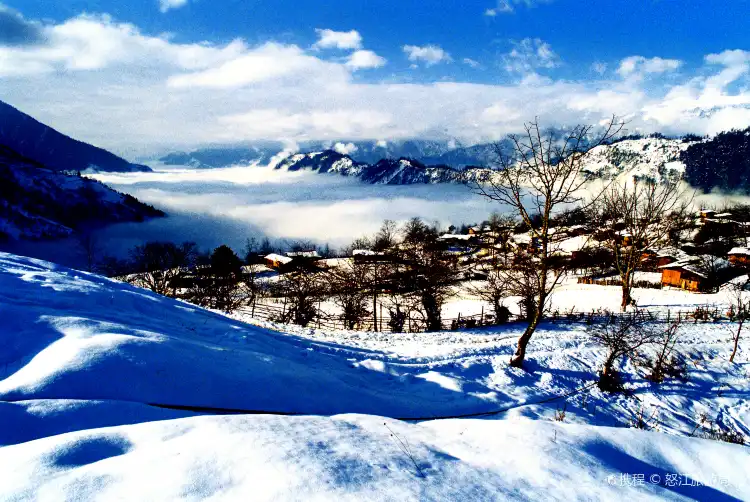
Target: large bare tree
{"type": "Point", "coordinates": [638, 216]}
{"type": "Point", "coordinates": [541, 175]}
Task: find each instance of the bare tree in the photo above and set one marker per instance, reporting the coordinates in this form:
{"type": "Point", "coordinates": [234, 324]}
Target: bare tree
{"type": "Point", "coordinates": [91, 248]}
{"type": "Point", "coordinates": [301, 290]}
{"type": "Point", "coordinates": [739, 309]}
{"type": "Point", "coordinates": [223, 284]}
{"type": "Point", "coordinates": [348, 285]}
{"type": "Point", "coordinates": [540, 176]}
{"type": "Point", "coordinates": [425, 270]}
{"type": "Point", "coordinates": [386, 237]}
{"type": "Point", "coordinates": [666, 362]}
{"type": "Point", "coordinates": [638, 216]}
{"type": "Point", "coordinates": [159, 266]}
{"type": "Point", "coordinates": [494, 289]}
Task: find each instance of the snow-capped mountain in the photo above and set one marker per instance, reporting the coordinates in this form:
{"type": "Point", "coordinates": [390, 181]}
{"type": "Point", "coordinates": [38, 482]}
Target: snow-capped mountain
{"type": "Point", "coordinates": [425, 151]}
{"type": "Point", "coordinates": [403, 171]}
{"type": "Point", "coordinates": [652, 158]}
{"type": "Point", "coordinates": [39, 203]}
{"type": "Point", "coordinates": [58, 152]}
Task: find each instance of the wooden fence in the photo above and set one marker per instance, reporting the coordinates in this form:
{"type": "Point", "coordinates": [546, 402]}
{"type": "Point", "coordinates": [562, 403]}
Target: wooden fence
{"type": "Point", "coordinates": [266, 311]}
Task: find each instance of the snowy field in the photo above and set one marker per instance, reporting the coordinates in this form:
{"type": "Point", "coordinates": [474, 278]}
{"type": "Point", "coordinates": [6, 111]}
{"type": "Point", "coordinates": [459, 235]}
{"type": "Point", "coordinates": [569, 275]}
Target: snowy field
{"type": "Point", "coordinates": [105, 390]}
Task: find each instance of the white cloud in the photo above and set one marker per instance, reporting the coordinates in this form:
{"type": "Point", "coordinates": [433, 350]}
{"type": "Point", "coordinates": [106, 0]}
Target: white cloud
{"type": "Point", "coordinates": [112, 85]}
{"type": "Point", "coordinates": [509, 6]}
{"type": "Point", "coordinates": [268, 62]}
{"type": "Point", "coordinates": [639, 66]}
{"type": "Point", "coordinates": [529, 55]}
{"type": "Point", "coordinates": [165, 5]}
{"type": "Point", "coordinates": [365, 59]}
{"type": "Point", "coordinates": [472, 63]}
{"type": "Point", "coordinates": [323, 124]}
{"type": "Point", "coordinates": [345, 148]}
{"type": "Point", "coordinates": [96, 42]}
{"type": "Point", "coordinates": [705, 102]}
{"type": "Point", "coordinates": [346, 40]}
{"type": "Point", "coordinates": [428, 54]}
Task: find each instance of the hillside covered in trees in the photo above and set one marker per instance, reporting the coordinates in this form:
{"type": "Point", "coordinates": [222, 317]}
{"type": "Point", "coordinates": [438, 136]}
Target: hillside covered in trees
{"type": "Point", "coordinates": [722, 162]}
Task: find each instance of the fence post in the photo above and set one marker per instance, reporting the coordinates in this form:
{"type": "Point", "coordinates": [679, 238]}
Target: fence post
{"type": "Point", "coordinates": [381, 317]}
{"type": "Point", "coordinates": [481, 319]}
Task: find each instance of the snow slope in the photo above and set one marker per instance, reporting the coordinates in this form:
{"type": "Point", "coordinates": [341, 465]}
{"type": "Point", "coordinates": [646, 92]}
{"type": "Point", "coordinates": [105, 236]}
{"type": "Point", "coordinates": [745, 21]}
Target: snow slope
{"type": "Point", "coordinates": [81, 358]}
{"type": "Point", "coordinates": [71, 335]}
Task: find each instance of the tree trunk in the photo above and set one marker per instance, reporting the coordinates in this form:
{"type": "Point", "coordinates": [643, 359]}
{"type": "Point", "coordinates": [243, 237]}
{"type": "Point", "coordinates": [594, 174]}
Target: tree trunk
{"type": "Point", "coordinates": [736, 342]}
{"type": "Point", "coordinates": [627, 288]}
{"type": "Point", "coordinates": [518, 358]}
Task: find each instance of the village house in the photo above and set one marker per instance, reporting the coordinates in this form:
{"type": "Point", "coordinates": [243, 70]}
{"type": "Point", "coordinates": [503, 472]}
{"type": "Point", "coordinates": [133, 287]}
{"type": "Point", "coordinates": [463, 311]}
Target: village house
{"type": "Point", "coordinates": [705, 214]}
{"type": "Point", "coordinates": [684, 275]}
{"type": "Point", "coordinates": [276, 261]}
{"type": "Point", "coordinates": [739, 256]}
{"type": "Point", "coordinates": [458, 238]}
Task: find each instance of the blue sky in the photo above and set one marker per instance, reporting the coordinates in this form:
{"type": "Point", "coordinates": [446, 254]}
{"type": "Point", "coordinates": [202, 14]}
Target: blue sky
{"type": "Point", "coordinates": [370, 69]}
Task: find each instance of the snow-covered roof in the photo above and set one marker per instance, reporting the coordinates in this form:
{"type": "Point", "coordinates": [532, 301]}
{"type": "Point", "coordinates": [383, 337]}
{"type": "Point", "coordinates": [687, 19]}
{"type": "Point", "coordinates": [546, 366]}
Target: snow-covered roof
{"type": "Point", "coordinates": [673, 252]}
{"type": "Point", "coordinates": [739, 250]}
{"type": "Point", "coordinates": [461, 237]}
{"type": "Point", "coordinates": [723, 215]}
{"type": "Point", "coordinates": [279, 258]}
{"type": "Point", "coordinates": [687, 264]}
{"type": "Point", "coordinates": [363, 252]}
{"type": "Point", "coordinates": [303, 254]}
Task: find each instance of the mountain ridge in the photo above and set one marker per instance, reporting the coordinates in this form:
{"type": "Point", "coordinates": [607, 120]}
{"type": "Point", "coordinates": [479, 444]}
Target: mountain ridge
{"type": "Point", "coordinates": [55, 150]}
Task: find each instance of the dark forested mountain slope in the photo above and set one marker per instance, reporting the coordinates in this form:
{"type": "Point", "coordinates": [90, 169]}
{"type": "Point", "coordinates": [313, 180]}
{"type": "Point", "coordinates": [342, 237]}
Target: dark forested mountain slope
{"type": "Point", "coordinates": [722, 162]}
{"type": "Point", "coordinates": [39, 203]}
{"type": "Point", "coordinates": [56, 151]}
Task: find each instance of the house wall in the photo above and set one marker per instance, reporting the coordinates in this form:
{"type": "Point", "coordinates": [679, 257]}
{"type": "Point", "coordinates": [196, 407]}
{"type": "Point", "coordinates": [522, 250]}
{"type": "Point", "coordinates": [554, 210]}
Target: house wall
{"type": "Point", "coordinates": [739, 259]}
{"type": "Point", "coordinates": [670, 277]}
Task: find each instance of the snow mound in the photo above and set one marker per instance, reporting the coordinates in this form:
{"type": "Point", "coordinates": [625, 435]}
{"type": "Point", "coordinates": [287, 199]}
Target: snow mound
{"type": "Point", "coordinates": [355, 457]}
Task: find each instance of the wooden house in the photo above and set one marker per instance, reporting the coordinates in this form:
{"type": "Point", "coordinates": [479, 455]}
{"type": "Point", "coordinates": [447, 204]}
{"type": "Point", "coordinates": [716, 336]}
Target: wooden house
{"type": "Point", "coordinates": [739, 256]}
{"type": "Point", "coordinates": [277, 261]}
{"type": "Point", "coordinates": [683, 275]}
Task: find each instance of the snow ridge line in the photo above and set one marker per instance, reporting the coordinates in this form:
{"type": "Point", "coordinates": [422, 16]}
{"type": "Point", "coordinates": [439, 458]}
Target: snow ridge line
{"type": "Point", "coordinates": [231, 411]}
{"type": "Point", "coordinates": [240, 411]}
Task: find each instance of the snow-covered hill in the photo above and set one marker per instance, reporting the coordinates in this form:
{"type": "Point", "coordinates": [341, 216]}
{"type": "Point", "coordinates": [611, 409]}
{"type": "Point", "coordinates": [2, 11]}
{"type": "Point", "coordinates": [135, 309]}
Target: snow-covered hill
{"type": "Point", "coordinates": [55, 150]}
{"type": "Point", "coordinates": [38, 203]}
{"type": "Point", "coordinates": [85, 360]}
{"type": "Point", "coordinates": [650, 158]}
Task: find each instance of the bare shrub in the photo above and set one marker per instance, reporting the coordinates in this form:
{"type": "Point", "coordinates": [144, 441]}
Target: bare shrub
{"type": "Point", "coordinates": [713, 429]}
{"type": "Point", "coordinates": [643, 421]}
{"type": "Point", "coordinates": [666, 362]}
{"type": "Point", "coordinates": [621, 336]}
